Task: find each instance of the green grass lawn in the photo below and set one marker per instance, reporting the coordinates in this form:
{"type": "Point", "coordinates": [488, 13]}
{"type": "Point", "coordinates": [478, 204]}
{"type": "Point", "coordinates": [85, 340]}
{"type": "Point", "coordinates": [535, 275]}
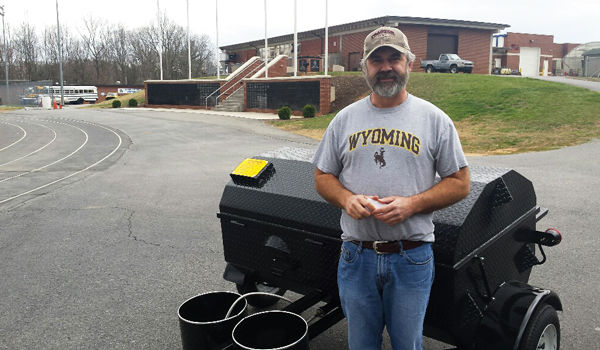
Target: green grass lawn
{"type": "Point", "coordinates": [139, 96]}
{"type": "Point", "coordinates": [9, 108]}
{"type": "Point", "coordinates": [499, 115]}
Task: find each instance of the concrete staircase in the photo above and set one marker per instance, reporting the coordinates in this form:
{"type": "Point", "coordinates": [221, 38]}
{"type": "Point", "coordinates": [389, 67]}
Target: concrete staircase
{"type": "Point", "coordinates": [233, 103]}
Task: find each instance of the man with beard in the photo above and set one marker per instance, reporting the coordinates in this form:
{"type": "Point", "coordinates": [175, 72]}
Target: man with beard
{"type": "Point", "coordinates": [386, 269]}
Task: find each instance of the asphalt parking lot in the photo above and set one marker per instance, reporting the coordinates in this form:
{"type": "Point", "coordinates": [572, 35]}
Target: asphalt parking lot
{"type": "Point", "coordinates": [98, 251]}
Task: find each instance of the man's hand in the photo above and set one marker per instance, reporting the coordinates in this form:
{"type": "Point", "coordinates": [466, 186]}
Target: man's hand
{"type": "Point", "coordinates": [396, 210]}
{"type": "Point", "coordinates": [330, 188]}
{"type": "Point", "coordinates": [448, 191]}
{"type": "Point", "coordinates": [356, 206]}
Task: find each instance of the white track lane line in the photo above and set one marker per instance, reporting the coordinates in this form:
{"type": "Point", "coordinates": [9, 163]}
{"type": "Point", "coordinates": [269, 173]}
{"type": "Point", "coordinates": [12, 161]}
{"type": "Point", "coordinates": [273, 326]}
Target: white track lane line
{"type": "Point", "coordinates": [19, 140]}
{"type": "Point", "coordinates": [73, 174]}
{"type": "Point", "coordinates": [37, 150]}
{"type": "Point", "coordinates": [60, 160]}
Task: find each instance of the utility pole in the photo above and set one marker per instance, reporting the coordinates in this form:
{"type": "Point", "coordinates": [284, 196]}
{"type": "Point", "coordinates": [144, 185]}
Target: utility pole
{"type": "Point", "coordinates": [266, 45]}
{"type": "Point", "coordinates": [5, 56]}
{"type": "Point", "coordinates": [62, 88]}
{"type": "Point", "coordinates": [295, 38]}
{"type": "Point", "coordinates": [217, 51]}
{"type": "Point", "coordinates": [160, 39]}
{"type": "Point", "coordinates": [188, 34]}
{"type": "Point", "coordinates": [326, 37]}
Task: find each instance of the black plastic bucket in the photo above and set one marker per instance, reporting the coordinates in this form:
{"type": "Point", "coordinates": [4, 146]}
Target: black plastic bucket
{"type": "Point", "coordinates": [271, 330]}
{"type": "Point", "coordinates": [202, 320]}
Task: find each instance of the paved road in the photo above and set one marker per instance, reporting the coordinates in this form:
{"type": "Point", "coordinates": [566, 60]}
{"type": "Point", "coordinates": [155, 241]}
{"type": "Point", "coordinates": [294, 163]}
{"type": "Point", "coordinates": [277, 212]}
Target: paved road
{"type": "Point", "coordinates": [103, 260]}
{"type": "Point", "coordinates": [592, 85]}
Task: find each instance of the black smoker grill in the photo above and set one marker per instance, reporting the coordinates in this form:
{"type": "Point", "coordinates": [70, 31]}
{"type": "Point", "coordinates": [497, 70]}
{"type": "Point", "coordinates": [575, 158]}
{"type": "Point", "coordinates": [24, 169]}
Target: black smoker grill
{"type": "Point", "coordinates": [279, 234]}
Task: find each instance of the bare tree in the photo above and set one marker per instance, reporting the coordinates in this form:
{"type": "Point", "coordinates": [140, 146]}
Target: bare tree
{"type": "Point", "coordinates": [174, 50]}
{"type": "Point", "coordinates": [26, 52]}
{"type": "Point", "coordinates": [97, 55]}
{"type": "Point", "coordinates": [144, 43]}
{"type": "Point", "coordinates": [95, 40]}
{"type": "Point", "coordinates": [76, 62]}
{"type": "Point", "coordinates": [10, 52]}
{"type": "Point", "coordinates": [48, 65]}
{"type": "Point", "coordinates": [202, 55]}
{"type": "Point", "coordinates": [119, 51]}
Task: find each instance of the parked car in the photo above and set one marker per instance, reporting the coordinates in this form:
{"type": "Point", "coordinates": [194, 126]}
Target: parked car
{"type": "Point", "coordinates": [448, 62]}
{"type": "Point", "coordinates": [111, 95]}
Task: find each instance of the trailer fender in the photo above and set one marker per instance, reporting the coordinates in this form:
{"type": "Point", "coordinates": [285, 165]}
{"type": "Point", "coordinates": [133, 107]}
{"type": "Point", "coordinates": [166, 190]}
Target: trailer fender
{"type": "Point", "coordinates": [508, 313]}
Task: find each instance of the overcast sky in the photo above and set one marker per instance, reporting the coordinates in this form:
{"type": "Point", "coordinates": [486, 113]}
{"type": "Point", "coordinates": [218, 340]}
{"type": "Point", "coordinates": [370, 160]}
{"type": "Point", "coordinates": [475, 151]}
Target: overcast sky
{"type": "Point", "coordinates": [574, 21]}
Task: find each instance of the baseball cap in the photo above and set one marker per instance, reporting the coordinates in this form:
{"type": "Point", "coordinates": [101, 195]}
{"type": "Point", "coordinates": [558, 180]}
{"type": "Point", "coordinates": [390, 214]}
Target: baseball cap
{"type": "Point", "coordinates": [386, 36]}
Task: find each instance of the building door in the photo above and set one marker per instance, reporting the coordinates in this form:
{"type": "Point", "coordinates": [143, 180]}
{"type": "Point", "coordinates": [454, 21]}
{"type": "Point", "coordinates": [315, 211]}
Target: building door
{"type": "Point", "coordinates": [354, 61]}
{"type": "Point", "coordinates": [438, 44]}
{"type": "Point", "coordinates": [529, 61]}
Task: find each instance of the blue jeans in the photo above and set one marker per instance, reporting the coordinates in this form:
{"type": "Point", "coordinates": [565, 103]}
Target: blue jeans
{"type": "Point", "coordinates": [391, 290]}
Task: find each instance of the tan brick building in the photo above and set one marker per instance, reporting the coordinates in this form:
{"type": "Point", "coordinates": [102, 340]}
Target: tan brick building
{"type": "Point", "coordinates": [428, 38]}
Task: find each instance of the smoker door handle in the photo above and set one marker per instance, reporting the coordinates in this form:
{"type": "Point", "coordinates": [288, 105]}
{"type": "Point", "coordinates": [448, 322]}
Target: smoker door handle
{"type": "Point", "coordinates": [235, 222]}
{"type": "Point", "coordinates": [542, 212]}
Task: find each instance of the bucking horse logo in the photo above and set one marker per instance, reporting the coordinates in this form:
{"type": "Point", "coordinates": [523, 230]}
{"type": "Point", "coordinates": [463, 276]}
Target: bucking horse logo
{"type": "Point", "coordinates": [379, 158]}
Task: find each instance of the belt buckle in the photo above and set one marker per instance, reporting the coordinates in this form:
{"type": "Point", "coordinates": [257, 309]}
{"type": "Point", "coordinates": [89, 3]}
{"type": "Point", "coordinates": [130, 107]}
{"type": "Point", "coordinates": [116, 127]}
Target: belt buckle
{"type": "Point", "coordinates": [375, 243]}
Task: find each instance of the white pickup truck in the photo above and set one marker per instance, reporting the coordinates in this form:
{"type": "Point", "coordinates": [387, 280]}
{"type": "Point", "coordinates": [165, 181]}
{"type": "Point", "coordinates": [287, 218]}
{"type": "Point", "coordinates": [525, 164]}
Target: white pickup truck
{"type": "Point", "coordinates": [448, 62]}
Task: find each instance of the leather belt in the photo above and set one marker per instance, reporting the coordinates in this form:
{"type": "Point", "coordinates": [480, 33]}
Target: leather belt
{"type": "Point", "coordinates": [387, 247]}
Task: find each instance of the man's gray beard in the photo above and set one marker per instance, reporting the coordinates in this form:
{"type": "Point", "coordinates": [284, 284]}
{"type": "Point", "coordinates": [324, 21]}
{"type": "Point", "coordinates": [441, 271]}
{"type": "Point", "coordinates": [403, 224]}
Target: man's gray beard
{"type": "Point", "coordinates": [388, 90]}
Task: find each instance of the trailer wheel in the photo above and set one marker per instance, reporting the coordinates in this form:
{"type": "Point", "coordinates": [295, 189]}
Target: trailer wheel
{"type": "Point", "coordinates": [543, 330]}
{"type": "Point", "coordinates": [259, 300]}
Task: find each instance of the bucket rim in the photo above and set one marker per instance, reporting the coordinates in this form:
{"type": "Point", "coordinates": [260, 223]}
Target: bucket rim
{"type": "Point", "coordinates": [217, 321]}
{"type": "Point", "coordinates": [305, 335]}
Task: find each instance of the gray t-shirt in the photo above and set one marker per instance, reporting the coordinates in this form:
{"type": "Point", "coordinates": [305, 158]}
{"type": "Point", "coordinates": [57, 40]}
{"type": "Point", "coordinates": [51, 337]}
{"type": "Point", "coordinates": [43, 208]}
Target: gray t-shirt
{"type": "Point", "coordinates": [390, 152]}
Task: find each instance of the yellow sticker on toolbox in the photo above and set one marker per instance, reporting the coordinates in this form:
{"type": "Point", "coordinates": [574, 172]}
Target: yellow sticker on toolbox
{"type": "Point", "coordinates": [250, 167]}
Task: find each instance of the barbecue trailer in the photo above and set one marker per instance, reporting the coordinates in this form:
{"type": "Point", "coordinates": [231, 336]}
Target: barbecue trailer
{"type": "Point", "coordinates": [279, 234]}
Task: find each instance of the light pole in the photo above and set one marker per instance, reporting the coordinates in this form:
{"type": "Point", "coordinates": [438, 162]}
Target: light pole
{"type": "Point", "coordinates": [295, 38]}
{"type": "Point", "coordinates": [188, 34]}
{"type": "Point", "coordinates": [5, 56]}
{"type": "Point", "coordinates": [217, 51]}
{"type": "Point", "coordinates": [62, 88]}
{"type": "Point", "coordinates": [266, 45]}
{"type": "Point", "coordinates": [326, 37]}
{"type": "Point", "coordinates": [160, 38]}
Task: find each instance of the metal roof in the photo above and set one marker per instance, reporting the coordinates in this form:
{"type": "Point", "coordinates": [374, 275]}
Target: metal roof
{"type": "Point", "coordinates": [368, 24]}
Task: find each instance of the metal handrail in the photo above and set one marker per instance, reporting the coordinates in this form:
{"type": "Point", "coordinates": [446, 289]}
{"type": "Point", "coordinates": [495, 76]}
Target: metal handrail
{"type": "Point", "coordinates": [232, 86]}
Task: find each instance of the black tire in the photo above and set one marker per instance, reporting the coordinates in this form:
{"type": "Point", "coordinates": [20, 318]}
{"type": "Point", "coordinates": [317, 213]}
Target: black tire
{"type": "Point", "coordinates": [80, 101]}
{"type": "Point", "coordinates": [260, 301]}
{"type": "Point", "coordinates": [468, 71]}
{"type": "Point", "coordinates": [453, 69]}
{"type": "Point", "coordinates": [429, 69]}
{"type": "Point", "coordinates": [542, 331]}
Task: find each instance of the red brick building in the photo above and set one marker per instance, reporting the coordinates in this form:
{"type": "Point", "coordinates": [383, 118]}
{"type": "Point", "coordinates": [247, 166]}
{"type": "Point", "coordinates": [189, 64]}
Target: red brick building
{"type": "Point", "coordinates": [531, 54]}
{"type": "Point", "coordinates": [427, 37]}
